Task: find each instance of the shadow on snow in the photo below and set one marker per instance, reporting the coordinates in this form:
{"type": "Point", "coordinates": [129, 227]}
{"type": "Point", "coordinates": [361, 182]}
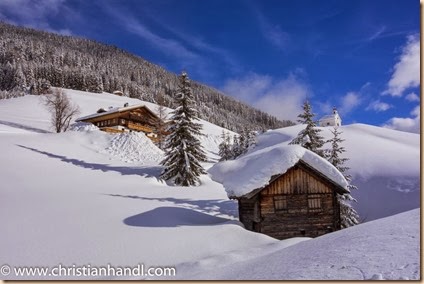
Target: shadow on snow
{"type": "Point", "coordinates": [22, 126]}
{"type": "Point", "coordinates": [148, 171]}
{"type": "Point", "coordinates": [174, 217]}
{"type": "Point", "coordinates": [211, 206]}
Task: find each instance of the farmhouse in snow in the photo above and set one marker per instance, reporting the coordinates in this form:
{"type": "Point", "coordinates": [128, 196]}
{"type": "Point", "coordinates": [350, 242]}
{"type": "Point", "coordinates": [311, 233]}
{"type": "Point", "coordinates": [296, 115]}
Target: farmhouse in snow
{"type": "Point", "coordinates": [284, 192]}
{"type": "Point", "coordinates": [331, 119]}
{"type": "Point", "coordinates": [125, 119]}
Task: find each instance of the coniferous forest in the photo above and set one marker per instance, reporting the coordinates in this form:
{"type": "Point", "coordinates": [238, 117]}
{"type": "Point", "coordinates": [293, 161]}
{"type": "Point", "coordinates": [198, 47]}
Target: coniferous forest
{"type": "Point", "coordinates": [31, 61]}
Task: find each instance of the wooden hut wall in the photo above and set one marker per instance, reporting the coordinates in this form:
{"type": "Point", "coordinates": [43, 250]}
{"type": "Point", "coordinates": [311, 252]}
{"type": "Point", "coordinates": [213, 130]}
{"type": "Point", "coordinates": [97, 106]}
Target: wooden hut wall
{"type": "Point", "coordinates": [298, 203]}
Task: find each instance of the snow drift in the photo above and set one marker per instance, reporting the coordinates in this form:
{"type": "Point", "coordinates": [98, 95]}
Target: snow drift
{"type": "Point", "coordinates": [134, 147]}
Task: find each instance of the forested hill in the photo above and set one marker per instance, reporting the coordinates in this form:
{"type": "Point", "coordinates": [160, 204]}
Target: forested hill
{"type": "Point", "coordinates": [31, 60]}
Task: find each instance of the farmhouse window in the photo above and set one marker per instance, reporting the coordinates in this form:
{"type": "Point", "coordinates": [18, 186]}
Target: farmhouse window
{"type": "Point", "coordinates": [314, 202]}
{"type": "Point", "coordinates": [280, 203]}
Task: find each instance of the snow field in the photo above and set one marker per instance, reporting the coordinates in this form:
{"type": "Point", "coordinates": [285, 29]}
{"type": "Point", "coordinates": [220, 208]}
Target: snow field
{"type": "Point", "coordinates": [70, 198]}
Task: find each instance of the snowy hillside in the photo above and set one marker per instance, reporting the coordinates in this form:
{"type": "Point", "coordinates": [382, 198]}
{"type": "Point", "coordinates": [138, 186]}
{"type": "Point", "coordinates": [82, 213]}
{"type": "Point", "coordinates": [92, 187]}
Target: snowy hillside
{"type": "Point", "coordinates": [89, 197]}
{"type": "Point", "coordinates": [385, 165]}
{"type": "Point", "coordinates": [364, 252]}
{"type": "Point", "coordinates": [28, 115]}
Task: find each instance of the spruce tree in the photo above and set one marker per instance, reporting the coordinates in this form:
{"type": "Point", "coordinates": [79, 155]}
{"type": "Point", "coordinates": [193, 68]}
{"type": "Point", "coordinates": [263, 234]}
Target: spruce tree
{"type": "Point", "coordinates": [183, 152]}
{"type": "Point", "coordinates": [235, 148]}
{"type": "Point", "coordinates": [309, 137]}
{"type": "Point", "coordinates": [225, 147]}
{"type": "Point", "coordinates": [349, 216]}
{"type": "Point", "coordinates": [251, 139]}
{"type": "Point", "coordinates": [243, 142]}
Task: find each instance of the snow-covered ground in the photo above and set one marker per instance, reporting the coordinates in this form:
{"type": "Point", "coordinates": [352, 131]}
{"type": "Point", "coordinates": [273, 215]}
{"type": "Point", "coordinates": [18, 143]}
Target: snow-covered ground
{"type": "Point", "coordinates": [73, 198]}
{"type": "Point", "coordinates": [384, 249]}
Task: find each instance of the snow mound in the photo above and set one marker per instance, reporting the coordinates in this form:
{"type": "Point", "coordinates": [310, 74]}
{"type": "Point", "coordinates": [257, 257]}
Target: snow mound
{"type": "Point", "coordinates": [135, 147]}
{"type": "Point", "coordinates": [254, 170]}
{"type": "Point", "coordinates": [83, 126]}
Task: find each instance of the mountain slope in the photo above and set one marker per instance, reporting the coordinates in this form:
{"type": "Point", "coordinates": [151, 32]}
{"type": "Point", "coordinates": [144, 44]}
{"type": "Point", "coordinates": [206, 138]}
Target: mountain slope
{"type": "Point", "coordinates": [27, 57]}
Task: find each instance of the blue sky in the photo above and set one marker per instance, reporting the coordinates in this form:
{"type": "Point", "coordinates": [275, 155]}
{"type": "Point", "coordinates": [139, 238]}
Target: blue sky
{"type": "Point", "coordinates": [361, 56]}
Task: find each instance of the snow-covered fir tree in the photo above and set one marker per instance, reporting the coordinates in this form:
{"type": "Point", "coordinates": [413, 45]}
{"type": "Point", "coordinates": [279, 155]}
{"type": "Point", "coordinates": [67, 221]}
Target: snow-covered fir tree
{"type": "Point", "coordinates": [349, 216]}
{"type": "Point", "coordinates": [235, 147]}
{"type": "Point", "coordinates": [251, 139]}
{"type": "Point", "coordinates": [225, 147]}
{"type": "Point", "coordinates": [309, 137]}
{"type": "Point", "coordinates": [242, 142]}
{"type": "Point", "coordinates": [183, 152]}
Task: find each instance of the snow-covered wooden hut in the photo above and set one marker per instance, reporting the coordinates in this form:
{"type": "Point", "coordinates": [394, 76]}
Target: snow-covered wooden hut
{"type": "Point", "coordinates": [284, 191]}
{"type": "Point", "coordinates": [333, 119]}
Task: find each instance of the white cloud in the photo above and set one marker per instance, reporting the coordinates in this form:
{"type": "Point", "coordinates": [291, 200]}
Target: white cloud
{"type": "Point", "coordinates": [350, 101]}
{"type": "Point", "coordinates": [34, 14]}
{"type": "Point", "coordinates": [406, 72]}
{"type": "Point", "coordinates": [378, 106]}
{"type": "Point", "coordinates": [408, 124]}
{"type": "Point", "coordinates": [281, 98]}
{"type": "Point", "coordinates": [412, 97]}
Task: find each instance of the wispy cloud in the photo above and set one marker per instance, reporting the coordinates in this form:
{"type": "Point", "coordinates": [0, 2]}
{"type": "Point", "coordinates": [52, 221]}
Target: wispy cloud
{"type": "Point", "coordinates": [198, 43]}
{"type": "Point", "coordinates": [184, 50]}
{"type": "Point", "coordinates": [378, 106]}
{"type": "Point", "coordinates": [272, 32]}
{"type": "Point", "coordinates": [408, 124]}
{"type": "Point", "coordinates": [170, 47]}
{"type": "Point", "coordinates": [377, 33]}
{"type": "Point", "coordinates": [349, 102]}
{"type": "Point", "coordinates": [282, 98]}
{"type": "Point", "coordinates": [406, 72]}
{"type": "Point", "coordinates": [412, 97]}
{"type": "Point", "coordinates": [35, 14]}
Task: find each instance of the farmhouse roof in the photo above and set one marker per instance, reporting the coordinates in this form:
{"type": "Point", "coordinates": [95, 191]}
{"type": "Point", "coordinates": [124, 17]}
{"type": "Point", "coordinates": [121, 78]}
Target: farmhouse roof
{"type": "Point", "coordinates": [116, 110]}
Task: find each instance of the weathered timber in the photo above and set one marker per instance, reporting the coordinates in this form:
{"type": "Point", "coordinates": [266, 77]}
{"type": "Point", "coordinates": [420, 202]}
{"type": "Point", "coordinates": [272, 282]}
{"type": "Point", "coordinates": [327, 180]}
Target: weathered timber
{"type": "Point", "coordinates": [299, 203]}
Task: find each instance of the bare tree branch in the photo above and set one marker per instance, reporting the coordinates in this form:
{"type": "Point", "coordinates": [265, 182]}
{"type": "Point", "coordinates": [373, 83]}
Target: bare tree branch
{"type": "Point", "coordinates": [61, 108]}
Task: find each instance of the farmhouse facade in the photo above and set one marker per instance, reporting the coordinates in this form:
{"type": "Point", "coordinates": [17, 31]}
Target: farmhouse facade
{"type": "Point", "coordinates": [125, 119]}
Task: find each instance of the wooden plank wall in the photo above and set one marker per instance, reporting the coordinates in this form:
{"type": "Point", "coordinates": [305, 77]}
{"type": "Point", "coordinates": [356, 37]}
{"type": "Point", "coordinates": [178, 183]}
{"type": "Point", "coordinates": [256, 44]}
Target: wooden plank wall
{"type": "Point", "coordinates": [297, 220]}
{"type": "Point", "coordinates": [297, 181]}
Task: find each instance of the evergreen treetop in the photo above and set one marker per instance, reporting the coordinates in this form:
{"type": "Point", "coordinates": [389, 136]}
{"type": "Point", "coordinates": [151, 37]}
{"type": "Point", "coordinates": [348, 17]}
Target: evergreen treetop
{"type": "Point", "coordinates": [184, 152]}
{"type": "Point", "coordinates": [309, 137]}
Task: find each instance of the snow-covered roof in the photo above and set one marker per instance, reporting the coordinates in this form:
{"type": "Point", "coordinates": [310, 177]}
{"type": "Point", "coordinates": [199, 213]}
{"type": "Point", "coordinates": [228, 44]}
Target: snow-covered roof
{"type": "Point", "coordinates": [254, 170]}
{"type": "Point", "coordinates": [115, 110]}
